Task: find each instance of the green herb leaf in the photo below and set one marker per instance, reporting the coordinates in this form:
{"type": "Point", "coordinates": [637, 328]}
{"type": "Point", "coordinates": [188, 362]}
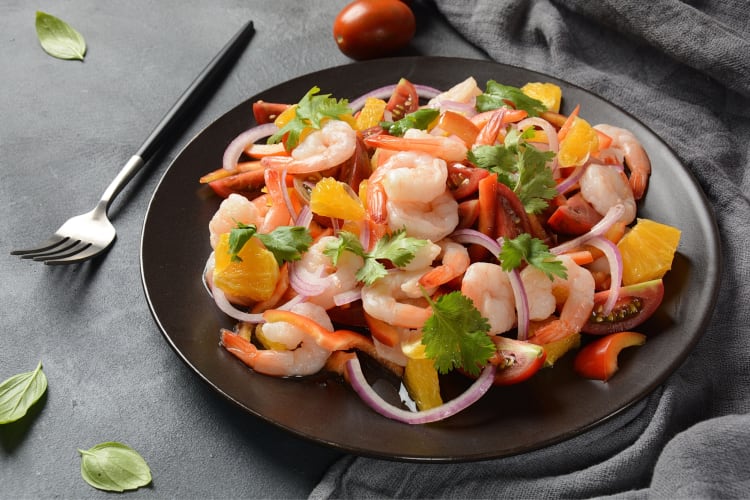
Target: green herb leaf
{"type": "Point", "coordinates": [497, 95]}
{"type": "Point", "coordinates": [534, 252]}
{"type": "Point", "coordinates": [114, 466]}
{"type": "Point", "coordinates": [347, 241]}
{"type": "Point", "coordinates": [455, 336]}
{"type": "Point", "coordinates": [58, 38]}
{"type": "Point", "coordinates": [310, 112]}
{"type": "Point", "coordinates": [286, 243]}
{"type": "Point", "coordinates": [419, 119]}
{"type": "Point", "coordinates": [238, 237]}
{"type": "Point", "coordinates": [20, 392]}
{"type": "Point", "coordinates": [397, 248]}
{"type": "Point", "coordinates": [521, 167]}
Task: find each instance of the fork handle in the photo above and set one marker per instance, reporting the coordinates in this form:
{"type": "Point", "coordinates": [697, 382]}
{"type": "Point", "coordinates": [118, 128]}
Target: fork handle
{"type": "Point", "coordinates": [173, 117]}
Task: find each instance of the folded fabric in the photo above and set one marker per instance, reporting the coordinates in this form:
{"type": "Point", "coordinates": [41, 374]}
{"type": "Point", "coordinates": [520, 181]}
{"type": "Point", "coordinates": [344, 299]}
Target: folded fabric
{"type": "Point", "coordinates": [682, 68]}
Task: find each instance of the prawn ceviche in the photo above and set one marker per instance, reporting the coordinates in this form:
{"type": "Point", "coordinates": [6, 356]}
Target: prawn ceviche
{"type": "Point", "coordinates": [468, 230]}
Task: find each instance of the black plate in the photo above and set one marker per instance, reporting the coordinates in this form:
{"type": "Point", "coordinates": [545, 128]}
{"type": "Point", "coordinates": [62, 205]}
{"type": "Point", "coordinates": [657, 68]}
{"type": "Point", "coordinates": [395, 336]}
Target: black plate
{"type": "Point", "coordinates": [553, 406]}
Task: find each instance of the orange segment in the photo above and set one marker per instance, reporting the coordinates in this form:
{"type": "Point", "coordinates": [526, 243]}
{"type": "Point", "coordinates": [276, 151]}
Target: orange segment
{"type": "Point", "coordinates": [332, 198]}
{"type": "Point", "coordinates": [555, 350]}
{"type": "Point", "coordinates": [548, 93]}
{"type": "Point", "coordinates": [421, 380]}
{"type": "Point", "coordinates": [253, 278]}
{"type": "Point", "coordinates": [647, 251]}
{"type": "Point", "coordinates": [580, 141]}
{"type": "Point", "coordinates": [371, 114]}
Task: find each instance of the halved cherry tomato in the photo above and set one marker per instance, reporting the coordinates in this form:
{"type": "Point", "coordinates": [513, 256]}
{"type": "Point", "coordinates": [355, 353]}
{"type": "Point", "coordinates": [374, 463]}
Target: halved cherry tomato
{"type": "Point", "coordinates": [516, 360]}
{"type": "Point", "coordinates": [365, 29]}
{"type": "Point", "coordinates": [267, 112]}
{"type": "Point", "coordinates": [404, 100]}
{"type": "Point", "coordinates": [464, 181]}
{"type": "Point", "coordinates": [635, 304]}
{"type": "Point", "coordinates": [598, 360]}
{"type": "Point", "coordinates": [575, 217]}
{"type": "Point", "coordinates": [241, 183]}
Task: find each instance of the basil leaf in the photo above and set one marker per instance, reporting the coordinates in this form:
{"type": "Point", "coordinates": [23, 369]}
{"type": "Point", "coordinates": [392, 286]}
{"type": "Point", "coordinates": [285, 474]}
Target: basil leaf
{"type": "Point", "coordinates": [114, 466]}
{"type": "Point", "coordinates": [58, 38]}
{"type": "Point", "coordinates": [20, 392]}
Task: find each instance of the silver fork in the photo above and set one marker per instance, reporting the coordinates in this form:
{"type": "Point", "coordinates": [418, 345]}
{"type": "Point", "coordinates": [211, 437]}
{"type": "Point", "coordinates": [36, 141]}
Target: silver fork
{"type": "Point", "coordinates": [85, 236]}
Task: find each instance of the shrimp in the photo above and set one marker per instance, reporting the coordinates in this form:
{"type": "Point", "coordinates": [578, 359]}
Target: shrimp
{"type": "Point", "coordinates": [455, 261]}
{"type": "Point", "coordinates": [538, 288]}
{"type": "Point", "coordinates": [578, 292]}
{"type": "Point", "coordinates": [604, 186]}
{"type": "Point", "coordinates": [488, 286]}
{"type": "Point", "coordinates": [430, 221]}
{"type": "Point", "coordinates": [636, 157]}
{"type": "Point", "coordinates": [394, 180]}
{"type": "Point", "coordinates": [391, 299]}
{"type": "Point", "coordinates": [447, 148]}
{"type": "Point", "coordinates": [235, 208]}
{"type": "Point", "coordinates": [302, 355]}
{"type": "Point", "coordinates": [338, 279]}
{"type": "Point", "coordinates": [326, 148]}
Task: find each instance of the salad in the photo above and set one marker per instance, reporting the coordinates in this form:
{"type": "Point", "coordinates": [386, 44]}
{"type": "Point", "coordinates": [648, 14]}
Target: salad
{"type": "Point", "coordinates": [470, 230]}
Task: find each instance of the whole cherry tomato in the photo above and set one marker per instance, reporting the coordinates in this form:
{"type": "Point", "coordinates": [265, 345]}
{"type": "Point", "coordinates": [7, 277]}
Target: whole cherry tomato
{"type": "Point", "coordinates": [366, 29]}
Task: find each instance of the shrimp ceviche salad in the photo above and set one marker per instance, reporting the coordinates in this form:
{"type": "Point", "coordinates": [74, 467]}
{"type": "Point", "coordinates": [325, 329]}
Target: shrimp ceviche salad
{"type": "Point", "coordinates": [468, 230]}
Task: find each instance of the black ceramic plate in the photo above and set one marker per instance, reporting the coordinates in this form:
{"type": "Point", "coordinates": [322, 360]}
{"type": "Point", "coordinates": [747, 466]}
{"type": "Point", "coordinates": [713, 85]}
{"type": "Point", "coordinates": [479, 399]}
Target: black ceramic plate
{"type": "Point", "coordinates": [553, 406]}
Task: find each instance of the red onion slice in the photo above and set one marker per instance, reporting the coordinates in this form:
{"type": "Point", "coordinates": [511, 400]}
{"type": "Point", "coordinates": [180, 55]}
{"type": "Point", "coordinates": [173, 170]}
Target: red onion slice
{"type": "Point", "coordinates": [601, 227]}
{"type": "Point", "coordinates": [360, 385]}
{"type": "Point", "coordinates": [474, 237]}
{"type": "Point", "coordinates": [612, 253]}
{"type": "Point", "coordinates": [522, 303]}
{"type": "Point", "coordinates": [235, 149]}
{"type": "Point", "coordinates": [304, 282]}
{"type": "Point", "coordinates": [227, 308]}
{"type": "Point", "coordinates": [570, 180]}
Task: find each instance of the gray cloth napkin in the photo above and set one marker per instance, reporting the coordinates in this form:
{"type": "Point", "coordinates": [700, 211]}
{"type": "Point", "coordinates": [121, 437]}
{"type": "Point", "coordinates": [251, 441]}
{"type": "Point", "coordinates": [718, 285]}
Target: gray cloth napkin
{"type": "Point", "coordinates": [683, 68]}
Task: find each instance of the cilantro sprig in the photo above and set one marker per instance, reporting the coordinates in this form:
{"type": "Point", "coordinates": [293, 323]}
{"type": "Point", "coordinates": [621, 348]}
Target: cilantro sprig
{"type": "Point", "coordinates": [525, 248]}
{"type": "Point", "coordinates": [419, 119]}
{"type": "Point", "coordinates": [398, 248]}
{"type": "Point", "coordinates": [456, 335]}
{"type": "Point", "coordinates": [521, 167]}
{"type": "Point", "coordinates": [497, 95]}
{"type": "Point", "coordinates": [286, 243]}
{"type": "Point", "coordinates": [311, 111]}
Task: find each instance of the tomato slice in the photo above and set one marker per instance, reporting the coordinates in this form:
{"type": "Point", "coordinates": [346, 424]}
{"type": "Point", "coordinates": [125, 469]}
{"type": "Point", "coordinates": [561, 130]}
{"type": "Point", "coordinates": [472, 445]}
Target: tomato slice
{"type": "Point", "coordinates": [267, 112]}
{"type": "Point", "coordinates": [635, 304]}
{"type": "Point", "coordinates": [598, 360]}
{"type": "Point", "coordinates": [404, 100]}
{"type": "Point", "coordinates": [463, 181]}
{"type": "Point", "coordinates": [575, 217]}
{"type": "Point", "coordinates": [240, 183]}
{"type": "Point", "coordinates": [517, 360]}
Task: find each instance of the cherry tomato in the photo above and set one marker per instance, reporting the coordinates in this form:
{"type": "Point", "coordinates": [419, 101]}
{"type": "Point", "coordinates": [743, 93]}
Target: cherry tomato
{"type": "Point", "coordinates": [404, 100]}
{"type": "Point", "coordinates": [518, 360]}
{"type": "Point", "coordinates": [267, 112]}
{"type": "Point", "coordinates": [366, 29]}
{"type": "Point", "coordinates": [598, 360]}
{"type": "Point", "coordinates": [635, 304]}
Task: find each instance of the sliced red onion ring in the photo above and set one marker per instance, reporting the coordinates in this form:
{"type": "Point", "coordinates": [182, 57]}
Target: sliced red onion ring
{"type": "Point", "coordinates": [612, 253]}
{"type": "Point", "coordinates": [374, 401]}
{"type": "Point", "coordinates": [571, 180]}
{"type": "Point", "coordinates": [233, 152]}
{"type": "Point", "coordinates": [347, 297]}
{"type": "Point", "coordinates": [285, 195]}
{"type": "Point", "coordinates": [474, 237]}
{"type": "Point", "coordinates": [223, 303]}
{"type": "Point", "coordinates": [601, 227]}
{"type": "Point", "coordinates": [304, 217]}
{"type": "Point", "coordinates": [522, 303]}
{"type": "Point", "coordinates": [304, 282]}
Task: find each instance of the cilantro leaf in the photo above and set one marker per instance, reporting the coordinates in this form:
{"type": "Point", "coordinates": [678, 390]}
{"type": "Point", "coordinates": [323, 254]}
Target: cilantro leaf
{"type": "Point", "coordinates": [286, 243]}
{"type": "Point", "coordinates": [534, 252]}
{"type": "Point", "coordinates": [498, 95]}
{"type": "Point", "coordinates": [521, 167]}
{"type": "Point", "coordinates": [419, 119]}
{"type": "Point", "coordinates": [346, 241]}
{"type": "Point", "coordinates": [398, 248]}
{"type": "Point", "coordinates": [310, 112]}
{"type": "Point", "coordinates": [238, 237]}
{"type": "Point", "coordinates": [455, 336]}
